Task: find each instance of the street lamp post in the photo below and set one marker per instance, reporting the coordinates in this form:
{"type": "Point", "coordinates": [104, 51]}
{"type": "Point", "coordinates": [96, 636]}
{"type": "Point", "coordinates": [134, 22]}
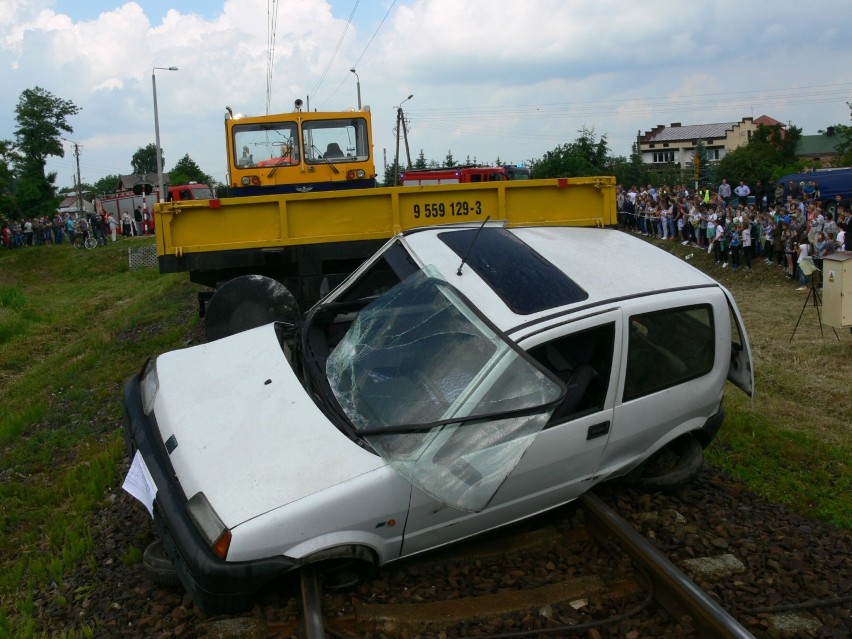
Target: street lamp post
{"type": "Point", "coordinates": [358, 80]}
{"type": "Point", "coordinates": [157, 130]}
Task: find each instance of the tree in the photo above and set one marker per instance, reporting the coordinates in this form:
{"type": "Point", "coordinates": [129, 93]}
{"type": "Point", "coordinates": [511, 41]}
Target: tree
{"type": "Point", "coordinates": [705, 173]}
{"type": "Point", "coordinates": [186, 171]}
{"type": "Point", "coordinates": [770, 153]}
{"type": "Point", "coordinates": [392, 172]}
{"type": "Point", "coordinates": [106, 185]}
{"type": "Point", "coordinates": [632, 172]}
{"type": "Point", "coordinates": [9, 159]}
{"type": "Point", "coordinates": [42, 119]}
{"type": "Point", "coordinates": [449, 162]}
{"type": "Point", "coordinates": [583, 157]}
{"type": "Point", "coordinates": [420, 162]}
{"type": "Point", "coordinates": [144, 161]}
{"type": "Point", "coordinates": [844, 144]}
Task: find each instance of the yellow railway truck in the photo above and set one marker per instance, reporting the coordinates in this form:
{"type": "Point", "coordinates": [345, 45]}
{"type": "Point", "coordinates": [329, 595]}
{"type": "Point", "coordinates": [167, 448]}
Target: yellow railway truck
{"type": "Point", "coordinates": [304, 213]}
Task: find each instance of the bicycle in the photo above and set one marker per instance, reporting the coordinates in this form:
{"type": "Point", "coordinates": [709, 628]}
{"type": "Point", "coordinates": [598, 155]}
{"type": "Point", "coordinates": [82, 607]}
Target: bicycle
{"type": "Point", "coordinates": [84, 239]}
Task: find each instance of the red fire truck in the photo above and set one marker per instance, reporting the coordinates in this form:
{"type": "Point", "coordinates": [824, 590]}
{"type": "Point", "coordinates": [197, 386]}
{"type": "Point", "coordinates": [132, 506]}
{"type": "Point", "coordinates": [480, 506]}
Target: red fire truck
{"type": "Point", "coordinates": [454, 175]}
{"type": "Point", "coordinates": [120, 203]}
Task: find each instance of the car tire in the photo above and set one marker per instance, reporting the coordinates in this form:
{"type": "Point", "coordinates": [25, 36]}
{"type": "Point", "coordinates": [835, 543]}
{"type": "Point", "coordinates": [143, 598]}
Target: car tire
{"type": "Point", "coordinates": [674, 465]}
{"type": "Point", "coordinates": [159, 565]}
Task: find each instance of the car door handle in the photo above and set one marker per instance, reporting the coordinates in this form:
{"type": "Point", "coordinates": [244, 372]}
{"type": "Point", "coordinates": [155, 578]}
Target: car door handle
{"type": "Point", "coordinates": [598, 430]}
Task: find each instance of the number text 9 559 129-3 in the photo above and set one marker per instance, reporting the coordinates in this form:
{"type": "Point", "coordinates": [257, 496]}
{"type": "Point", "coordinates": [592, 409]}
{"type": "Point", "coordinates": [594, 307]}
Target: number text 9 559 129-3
{"type": "Point", "coordinates": [451, 209]}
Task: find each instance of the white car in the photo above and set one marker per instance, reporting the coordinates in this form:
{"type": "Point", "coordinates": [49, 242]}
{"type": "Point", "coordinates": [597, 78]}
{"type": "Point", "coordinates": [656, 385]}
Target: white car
{"type": "Point", "coordinates": [463, 378]}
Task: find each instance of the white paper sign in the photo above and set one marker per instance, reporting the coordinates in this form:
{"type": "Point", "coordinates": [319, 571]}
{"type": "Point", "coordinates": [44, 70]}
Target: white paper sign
{"type": "Point", "coordinates": [140, 484]}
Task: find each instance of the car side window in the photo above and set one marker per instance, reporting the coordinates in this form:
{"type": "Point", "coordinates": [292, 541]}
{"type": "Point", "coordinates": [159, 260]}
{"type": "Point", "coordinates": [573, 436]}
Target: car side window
{"type": "Point", "coordinates": [668, 347]}
{"type": "Point", "coordinates": [583, 361]}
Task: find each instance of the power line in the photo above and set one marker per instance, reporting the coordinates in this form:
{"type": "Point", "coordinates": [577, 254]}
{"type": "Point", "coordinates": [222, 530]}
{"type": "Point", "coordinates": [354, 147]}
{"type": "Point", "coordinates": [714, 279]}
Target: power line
{"type": "Point", "coordinates": [638, 105]}
{"type": "Point", "coordinates": [366, 47]}
{"type": "Point", "coordinates": [271, 29]}
{"type": "Point", "coordinates": [336, 49]}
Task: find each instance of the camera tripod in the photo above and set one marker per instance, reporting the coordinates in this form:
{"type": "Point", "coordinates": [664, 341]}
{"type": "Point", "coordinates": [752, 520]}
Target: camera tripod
{"type": "Point", "coordinates": [813, 292]}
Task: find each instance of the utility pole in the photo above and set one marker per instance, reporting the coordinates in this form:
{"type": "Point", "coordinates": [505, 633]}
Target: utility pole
{"type": "Point", "coordinates": [79, 185]}
{"type": "Point", "coordinates": [79, 181]}
{"type": "Point", "coordinates": [400, 124]}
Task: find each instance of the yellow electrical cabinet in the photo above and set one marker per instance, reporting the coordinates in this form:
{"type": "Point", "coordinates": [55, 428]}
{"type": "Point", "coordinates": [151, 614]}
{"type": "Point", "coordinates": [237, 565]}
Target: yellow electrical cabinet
{"type": "Point", "coordinates": [837, 290]}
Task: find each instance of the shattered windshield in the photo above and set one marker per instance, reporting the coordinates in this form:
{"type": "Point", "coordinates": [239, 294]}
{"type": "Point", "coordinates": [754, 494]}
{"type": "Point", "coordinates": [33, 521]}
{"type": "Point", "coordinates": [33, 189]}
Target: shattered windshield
{"type": "Point", "coordinates": [438, 393]}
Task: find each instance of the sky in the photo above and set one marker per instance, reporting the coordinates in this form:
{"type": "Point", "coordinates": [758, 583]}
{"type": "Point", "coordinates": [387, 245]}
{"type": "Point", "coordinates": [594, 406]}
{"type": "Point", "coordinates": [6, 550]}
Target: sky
{"type": "Point", "coordinates": [495, 79]}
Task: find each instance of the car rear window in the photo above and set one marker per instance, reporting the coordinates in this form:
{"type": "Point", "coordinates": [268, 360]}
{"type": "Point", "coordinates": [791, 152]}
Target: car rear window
{"type": "Point", "coordinates": [667, 348]}
{"type": "Point", "coordinates": [525, 281]}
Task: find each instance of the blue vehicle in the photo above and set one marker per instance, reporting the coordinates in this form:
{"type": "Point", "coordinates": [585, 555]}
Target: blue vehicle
{"type": "Point", "coordinates": [833, 185]}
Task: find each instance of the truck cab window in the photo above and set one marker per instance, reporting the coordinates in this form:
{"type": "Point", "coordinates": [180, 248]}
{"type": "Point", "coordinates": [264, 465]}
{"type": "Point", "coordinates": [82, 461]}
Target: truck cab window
{"type": "Point", "coordinates": [339, 140]}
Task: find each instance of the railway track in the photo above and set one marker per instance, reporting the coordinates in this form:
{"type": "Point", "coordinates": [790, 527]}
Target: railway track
{"type": "Point", "coordinates": [779, 574]}
{"type": "Point", "coordinates": [593, 572]}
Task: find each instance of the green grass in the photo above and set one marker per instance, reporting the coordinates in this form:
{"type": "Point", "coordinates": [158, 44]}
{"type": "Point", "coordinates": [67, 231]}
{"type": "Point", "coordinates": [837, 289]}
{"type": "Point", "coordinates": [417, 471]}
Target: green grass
{"type": "Point", "coordinates": [75, 324]}
{"type": "Point", "coordinates": [792, 443]}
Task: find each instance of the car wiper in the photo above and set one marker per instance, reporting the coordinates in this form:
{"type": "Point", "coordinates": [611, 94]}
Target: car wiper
{"type": "Point", "coordinates": [325, 159]}
{"type": "Point", "coordinates": [418, 428]}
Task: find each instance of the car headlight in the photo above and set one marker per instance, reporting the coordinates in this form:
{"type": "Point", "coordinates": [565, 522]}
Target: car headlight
{"type": "Point", "coordinates": [207, 522]}
{"type": "Point", "coordinates": [149, 386]}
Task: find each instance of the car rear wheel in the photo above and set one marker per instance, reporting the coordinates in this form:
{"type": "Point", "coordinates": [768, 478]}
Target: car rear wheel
{"type": "Point", "coordinates": [675, 464]}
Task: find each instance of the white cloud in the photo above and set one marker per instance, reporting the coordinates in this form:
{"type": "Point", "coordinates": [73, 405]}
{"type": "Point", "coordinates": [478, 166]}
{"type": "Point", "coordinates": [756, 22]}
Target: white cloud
{"type": "Point", "coordinates": [490, 78]}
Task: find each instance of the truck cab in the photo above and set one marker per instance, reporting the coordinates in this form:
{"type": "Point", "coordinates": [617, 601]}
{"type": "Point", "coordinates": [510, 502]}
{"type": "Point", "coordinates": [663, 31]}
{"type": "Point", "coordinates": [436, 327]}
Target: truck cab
{"type": "Point", "coordinates": [299, 152]}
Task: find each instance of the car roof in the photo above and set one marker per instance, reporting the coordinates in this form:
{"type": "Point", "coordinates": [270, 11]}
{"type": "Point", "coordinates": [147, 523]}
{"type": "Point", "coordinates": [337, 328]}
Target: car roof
{"type": "Point", "coordinates": [604, 264]}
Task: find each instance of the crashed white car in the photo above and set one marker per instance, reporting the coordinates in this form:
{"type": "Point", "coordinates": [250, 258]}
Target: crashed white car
{"type": "Point", "coordinates": [463, 378]}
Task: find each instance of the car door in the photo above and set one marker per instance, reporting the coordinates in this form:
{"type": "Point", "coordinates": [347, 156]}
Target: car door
{"type": "Point", "coordinates": [560, 463]}
{"type": "Point", "coordinates": [676, 359]}
{"type": "Point", "coordinates": [740, 371]}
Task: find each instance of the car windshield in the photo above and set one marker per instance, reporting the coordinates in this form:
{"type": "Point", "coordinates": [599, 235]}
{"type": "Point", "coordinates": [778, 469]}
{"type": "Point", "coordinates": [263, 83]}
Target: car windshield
{"type": "Point", "coordinates": [439, 394]}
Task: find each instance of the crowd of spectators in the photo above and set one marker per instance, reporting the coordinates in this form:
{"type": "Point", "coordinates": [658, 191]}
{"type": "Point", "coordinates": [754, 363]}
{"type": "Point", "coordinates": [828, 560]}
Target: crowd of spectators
{"type": "Point", "coordinates": [740, 228]}
{"type": "Point", "coordinates": [65, 227]}
{"type": "Point", "coordinates": [780, 227]}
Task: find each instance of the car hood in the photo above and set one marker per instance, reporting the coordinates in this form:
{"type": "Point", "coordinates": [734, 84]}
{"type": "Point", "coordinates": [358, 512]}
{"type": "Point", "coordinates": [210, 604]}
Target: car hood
{"type": "Point", "coordinates": [244, 431]}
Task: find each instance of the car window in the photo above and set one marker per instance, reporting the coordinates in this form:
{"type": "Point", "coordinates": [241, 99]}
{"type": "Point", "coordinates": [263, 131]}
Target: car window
{"type": "Point", "coordinates": [441, 395]}
{"type": "Point", "coordinates": [525, 281]}
{"type": "Point", "coordinates": [583, 361]}
{"type": "Point", "coordinates": [390, 269]}
{"type": "Point", "coordinates": [668, 347]}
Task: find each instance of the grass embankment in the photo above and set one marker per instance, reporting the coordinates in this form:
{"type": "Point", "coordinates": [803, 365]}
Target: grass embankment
{"type": "Point", "coordinates": [75, 324]}
{"type": "Point", "coordinates": [793, 443]}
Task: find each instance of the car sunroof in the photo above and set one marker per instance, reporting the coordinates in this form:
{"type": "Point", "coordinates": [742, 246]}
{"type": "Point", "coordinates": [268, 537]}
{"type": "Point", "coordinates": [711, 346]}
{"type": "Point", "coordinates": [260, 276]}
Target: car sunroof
{"type": "Point", "coordinates": [525, 281]}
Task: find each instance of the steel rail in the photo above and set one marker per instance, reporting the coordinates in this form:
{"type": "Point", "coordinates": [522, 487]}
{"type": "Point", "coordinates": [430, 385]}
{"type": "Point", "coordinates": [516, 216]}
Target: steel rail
{"type": "Point", "coordinates": [673, 590]}
{"type": "Point", "coordinates": [312, 604]}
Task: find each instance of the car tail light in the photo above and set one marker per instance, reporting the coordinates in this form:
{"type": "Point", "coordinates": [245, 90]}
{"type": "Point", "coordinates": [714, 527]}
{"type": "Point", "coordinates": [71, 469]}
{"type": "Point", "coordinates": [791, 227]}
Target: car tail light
{"type": "Point", "coordinates": [352, 174]}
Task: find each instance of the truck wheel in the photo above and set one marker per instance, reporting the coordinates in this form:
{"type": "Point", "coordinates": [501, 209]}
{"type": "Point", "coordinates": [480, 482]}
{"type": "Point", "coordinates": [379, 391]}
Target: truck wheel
{"type": "Point", "coordinates": [675, 464]}
{"type": "Point", "coordinates": [247, 302]}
